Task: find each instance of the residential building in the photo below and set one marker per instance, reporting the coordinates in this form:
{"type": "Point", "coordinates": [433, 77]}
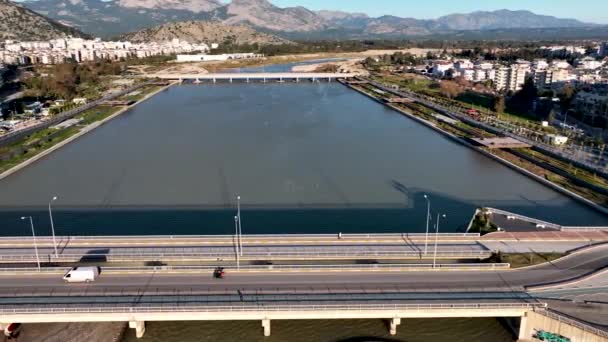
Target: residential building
{"type": "Point", "coordinates": [592, 106]}
{"type": "Point", "coordinates": [603, 49]}
{"type": "Point", "coordinates": [80, 50]}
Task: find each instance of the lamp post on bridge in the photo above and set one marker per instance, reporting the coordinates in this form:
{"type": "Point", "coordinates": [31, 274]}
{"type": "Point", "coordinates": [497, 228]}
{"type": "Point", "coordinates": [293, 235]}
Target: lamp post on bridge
{"type": "Point", "coordinates": [428, 219]}
{"type": "Point", "coordinates": [238, 211]}
{"type": "Point", "coordinates": [236, 232]}
{"type": "Point", "coordinates": [53, 225]}
{"type": "Point", "coordinates": [436, 235]}
{"type": "Point", "coordinates": [34, 235]}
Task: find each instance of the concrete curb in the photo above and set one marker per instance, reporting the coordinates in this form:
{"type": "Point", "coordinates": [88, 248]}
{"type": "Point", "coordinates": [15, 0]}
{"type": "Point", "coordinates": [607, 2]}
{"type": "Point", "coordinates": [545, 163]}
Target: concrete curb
{"type": "Point", "coordinates": [577, 280]}
{"type": "Point", "coordinates": [82, 132]}
{"type": "Point", "coordinates": [568, 255]}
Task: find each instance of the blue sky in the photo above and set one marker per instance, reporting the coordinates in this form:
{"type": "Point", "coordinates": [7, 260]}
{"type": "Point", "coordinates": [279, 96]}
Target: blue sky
{"type": "Point", "coordinates": [587, 10]}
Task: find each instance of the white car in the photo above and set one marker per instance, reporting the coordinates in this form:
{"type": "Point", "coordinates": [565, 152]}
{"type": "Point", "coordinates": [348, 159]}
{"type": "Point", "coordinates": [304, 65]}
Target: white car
{"type": "Point", "coordinates": [81, 274]}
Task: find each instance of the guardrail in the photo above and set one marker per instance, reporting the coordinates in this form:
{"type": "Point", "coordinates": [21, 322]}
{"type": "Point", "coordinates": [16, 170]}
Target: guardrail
{"type": "Point", "coordinates": [251, 268]}
{"type": "Point", "coordinates": [523, 218]}
{"type": "Point", "coordinates": [262, 307]}
{"type": "Point", "coordinates": [584, 229]}
{"type": "Point", "coordinates": [245, 237]}
{"type": "Point", "coordinates": [574, 322]}
{"type": "Point", "coordinates": [294, 254]}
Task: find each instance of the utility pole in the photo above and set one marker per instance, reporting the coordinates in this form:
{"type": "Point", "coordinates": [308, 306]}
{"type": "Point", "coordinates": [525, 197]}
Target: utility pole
{"type": "Point", "coordinates": [428, 219]}
{"type": "Point", "coordinates": [53, 225]}
{"type": "Point", "coordinates": [236, 235]}
{"type": "Point", "coordinates": [436, 236]}
{"type": "Point", "coordinates": [238, 204]}
{"type": "Point", "coordinates": [34, 235]}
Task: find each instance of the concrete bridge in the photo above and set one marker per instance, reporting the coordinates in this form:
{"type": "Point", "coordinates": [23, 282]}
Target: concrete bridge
{"type": "Point", "coordinates": [137, 297]}
{"type": "Point", "coordinates": [258, 76]}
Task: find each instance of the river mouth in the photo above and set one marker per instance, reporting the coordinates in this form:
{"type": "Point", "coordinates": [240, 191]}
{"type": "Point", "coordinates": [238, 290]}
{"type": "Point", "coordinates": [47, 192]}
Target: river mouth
{"type": "Point", "coordinates": [305, 158]}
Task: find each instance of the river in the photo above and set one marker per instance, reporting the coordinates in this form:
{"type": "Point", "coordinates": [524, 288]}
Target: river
{"type": "Point", "coordinates": [371, 330]}
{"type": "Point", "coordinates": [305, 158]}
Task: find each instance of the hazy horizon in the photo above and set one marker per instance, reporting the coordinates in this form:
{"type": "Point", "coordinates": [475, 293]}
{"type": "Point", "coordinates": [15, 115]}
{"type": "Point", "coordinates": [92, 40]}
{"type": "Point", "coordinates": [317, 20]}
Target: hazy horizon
{"type": "Point", "coordinates": [438, 8]}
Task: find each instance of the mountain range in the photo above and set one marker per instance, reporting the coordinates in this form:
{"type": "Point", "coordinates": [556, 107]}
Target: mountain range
{"type": "Point", "coordinates": [18, 22]}
{"type": "Point", "coordinates": [115, 17]}
{"type": "Point", "coordinates": [203, 32]}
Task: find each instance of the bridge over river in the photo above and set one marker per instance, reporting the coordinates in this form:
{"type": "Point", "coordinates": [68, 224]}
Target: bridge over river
{"type": "Point", "coordinates": [255, 76]}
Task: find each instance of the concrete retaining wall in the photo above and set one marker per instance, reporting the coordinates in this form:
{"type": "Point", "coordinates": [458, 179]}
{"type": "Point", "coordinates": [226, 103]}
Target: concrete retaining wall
{"type": "Point", "coordinates": [534, 321]}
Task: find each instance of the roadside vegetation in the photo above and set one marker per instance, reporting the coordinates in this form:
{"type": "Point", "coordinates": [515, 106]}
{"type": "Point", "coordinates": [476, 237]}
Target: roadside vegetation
{"type": "Point", "coordinates": [518, 260]}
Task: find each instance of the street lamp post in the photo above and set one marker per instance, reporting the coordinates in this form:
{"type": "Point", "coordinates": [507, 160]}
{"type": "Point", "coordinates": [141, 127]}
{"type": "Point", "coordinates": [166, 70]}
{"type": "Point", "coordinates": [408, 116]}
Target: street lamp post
{"type": "Point", "coordinates": [236, 232]}
{"type": "Point", "coordinates": [436, 235]}
{"type": "Point", "coordinates": [34, 235]}
{"type": "Point", "coordinates": [428, 219]}
{"type": "Point", "coordinates": [238, 204]}
{"type": "Point", "coordinates": [53, 225]}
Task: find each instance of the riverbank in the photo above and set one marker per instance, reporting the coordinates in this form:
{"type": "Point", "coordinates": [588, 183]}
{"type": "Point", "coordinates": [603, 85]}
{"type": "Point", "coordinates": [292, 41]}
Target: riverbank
{"type": "Point", "coordinates": [217, 66]}
{"type": "Point", "coordinates": [73, 133]}
{"type": "Point", "coordinates": [486, 153]}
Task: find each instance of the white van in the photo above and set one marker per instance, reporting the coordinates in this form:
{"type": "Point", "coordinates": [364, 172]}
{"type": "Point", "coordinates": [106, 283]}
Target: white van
{"type": "Point", "coordinates": [81, 274]}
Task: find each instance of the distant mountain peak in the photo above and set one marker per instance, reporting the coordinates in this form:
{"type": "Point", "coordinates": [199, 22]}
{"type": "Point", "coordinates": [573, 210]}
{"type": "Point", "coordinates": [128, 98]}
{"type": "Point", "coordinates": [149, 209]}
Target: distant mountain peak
{"type": "Point", "coordinates": [111, 17]}
{"type": "Point", "coordinates": [20, 23]}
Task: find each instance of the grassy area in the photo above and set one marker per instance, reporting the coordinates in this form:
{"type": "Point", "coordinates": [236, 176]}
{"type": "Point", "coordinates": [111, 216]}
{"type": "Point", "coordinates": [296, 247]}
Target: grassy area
{"type": "Point", "coordinates": [42, 145]}
{"type": "Point", "coordinates": [465, 101]}
{"type": "Point", "coordinates": [571, 169]}
{"type": "Point", "coordinates": [97, 114]}
{"type": "Point", "coordinates": [523, 259]}
{"type": "Point", "coordinates": [139, 94]}
{"type": "Point", "coordinates": [553, 177]}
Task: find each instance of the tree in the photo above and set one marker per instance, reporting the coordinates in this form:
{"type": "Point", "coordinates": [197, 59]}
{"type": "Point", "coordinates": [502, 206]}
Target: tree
{"type": "Point", "coordinates": [523, 100]}
{"type": "Point", "coordinates": [566, 96]}
{"type": "Point", "coordinates": [499, 105]}
{"type": "Point", "coordinates": [450, 89]}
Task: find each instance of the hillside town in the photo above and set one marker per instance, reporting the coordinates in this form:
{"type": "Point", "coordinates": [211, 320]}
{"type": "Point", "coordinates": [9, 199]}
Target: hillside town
{"type": "Point", "coordinates": [61, 50]}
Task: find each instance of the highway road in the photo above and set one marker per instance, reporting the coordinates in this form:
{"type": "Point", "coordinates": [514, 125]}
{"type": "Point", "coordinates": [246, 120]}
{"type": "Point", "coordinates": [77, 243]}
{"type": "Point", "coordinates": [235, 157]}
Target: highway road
{"type": "Point", "coordinates": [268, 287]}
{"type": "Point", "coordinates": [445, 249]}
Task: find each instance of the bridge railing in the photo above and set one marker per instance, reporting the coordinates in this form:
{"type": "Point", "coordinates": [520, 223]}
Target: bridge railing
{"type": "Point", "coordinates": [245, 237]}
{"type": "Point", "coordinates": [268, 308]}
{"type": "Point", "coordinates": [248, 254]}
{"type": "Point", "coordinates": [295, 268]}
{"type": "Point", "coordinates": [570, 321]}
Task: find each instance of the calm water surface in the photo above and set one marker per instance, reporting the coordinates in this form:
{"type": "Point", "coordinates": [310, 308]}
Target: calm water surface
{"type": "Point", "coordinates": [306, 158]}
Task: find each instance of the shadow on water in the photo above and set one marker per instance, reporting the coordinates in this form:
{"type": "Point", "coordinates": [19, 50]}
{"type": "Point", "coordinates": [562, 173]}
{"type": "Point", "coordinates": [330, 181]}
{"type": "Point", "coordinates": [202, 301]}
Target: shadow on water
{"type": "Point", "coordinates": [406, 217]}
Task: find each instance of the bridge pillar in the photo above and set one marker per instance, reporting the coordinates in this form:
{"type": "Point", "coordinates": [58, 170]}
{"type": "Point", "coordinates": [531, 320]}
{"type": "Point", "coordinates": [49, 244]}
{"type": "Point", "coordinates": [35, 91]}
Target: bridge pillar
{"type": "Point", "coordinates": [266, 326]}
{"type": "Point", "coordinates": [297, 79]}
{"type": "Point", "coordinates": [393, 325]}
{"type": "Point", "coordinates": [214, 80]}
{"type": "Point", "coordinates": [247, 79]}
{"type": "Point", "coordinates": [523, 328]}
{"type": "Point", "coordinates": [230, 79]}
{"type": "Point", "coordinates": [139, 326]}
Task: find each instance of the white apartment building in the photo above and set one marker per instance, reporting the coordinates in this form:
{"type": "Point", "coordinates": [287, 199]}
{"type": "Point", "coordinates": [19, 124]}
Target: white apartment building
{"type": "Point", "coordinates": [589, 63]}
{"type": "Point", "coordinates": [439, 68]}
{"type": "Point", "coordinates": [80, 50]}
